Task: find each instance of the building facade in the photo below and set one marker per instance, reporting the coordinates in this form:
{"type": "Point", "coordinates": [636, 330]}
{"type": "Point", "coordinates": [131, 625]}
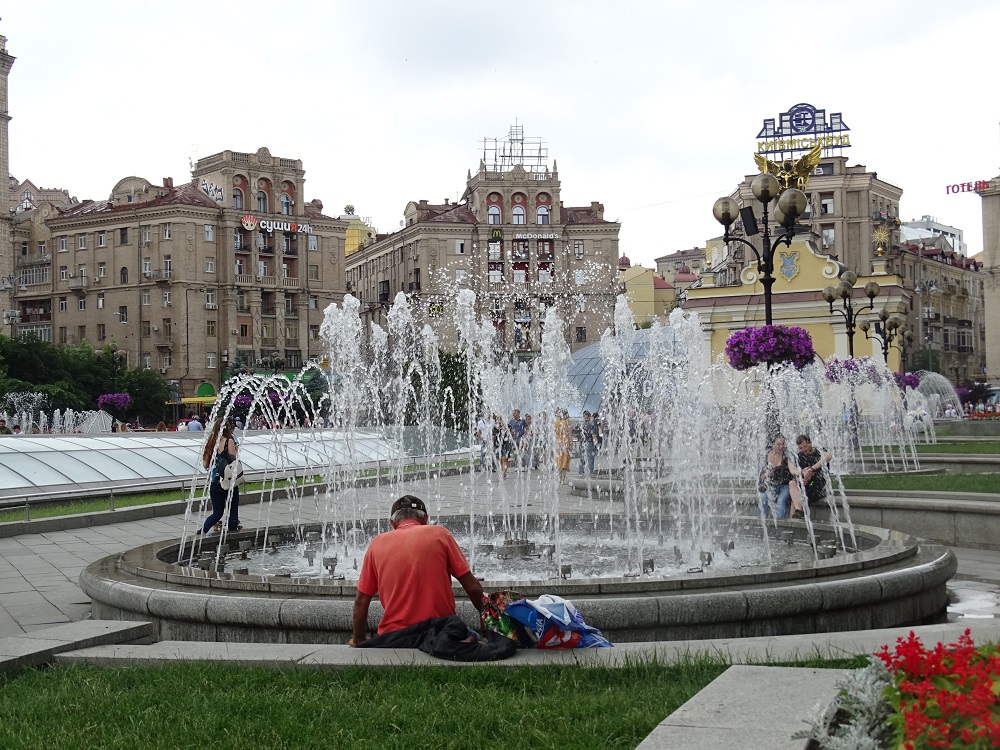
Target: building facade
{"type": "Point", "coordinates": [24, 195]}
{"type": "Point", "coordinates": [6, 256]}
{"type": "Point", "coordinates": [991, 277]}
{"type": "Point", "coordinates": [510, 240]}
{"type": "Point", "coordinates": [234, 264]}
{"type": "Point", "coordinates": [929, 227]}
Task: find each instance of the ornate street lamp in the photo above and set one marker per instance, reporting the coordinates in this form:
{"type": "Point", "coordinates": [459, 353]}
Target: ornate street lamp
{"type": "Point", "coordinates": [11, 317]}
{"type": "Point", "coordinates": [888, 329]}
{"type": "Point", "coordinates": [845, 291]}
{"type": "Point", "coordinates": [118, 357]}
{"type": "Point", "coordinates": [274, 363]}
{"type": "Point", "coordinates": [791, 203]}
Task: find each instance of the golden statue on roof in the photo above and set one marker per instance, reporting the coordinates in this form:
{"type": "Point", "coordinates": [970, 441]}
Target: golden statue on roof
{"type": "Point", "coordinates": [791, 172]}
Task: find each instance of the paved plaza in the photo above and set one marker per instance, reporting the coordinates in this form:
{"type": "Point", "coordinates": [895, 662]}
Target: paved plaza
{"type": "Point", "coordinates": [45, 616]}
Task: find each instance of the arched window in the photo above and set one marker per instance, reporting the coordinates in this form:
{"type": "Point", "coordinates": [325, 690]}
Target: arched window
{"type": "Point", "coordinates": [286, 205]}
{"type": "Point", "coordinates": [124, 275]}
{"type": "Point", "coordinates": [262, 201]}
{"type": "Point", "coordinates": [542, 215]}
{"type": "Point", "coordinates": [517, 215]}
{"type": "Point", "coordinates": [237, 198]}
{"type": "Point", "coordinates": [494, 214]}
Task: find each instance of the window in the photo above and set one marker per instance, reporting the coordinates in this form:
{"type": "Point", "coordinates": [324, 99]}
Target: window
{"type": "Point", "coordinates": [102, 332]}
{"type": "Point", "coordinates": [495, 250]}
{"type": "Point", "coordinates": [460, 276]}
{"type": "Point", "coordinates": [81, 241]}
{"type": "Point", "coordinates": [581, 334]}
{"type": "Point", "coordinates": [62, 304]}
{"type": "Point", "coordinates": [81, 270]}
{"type": "Point", "coordinates": [314, 273]}
{"type": "Point", "coordinates": [262, 201]}
{"type": "Point", "coordinates": [493, 215]}
{"type": "Point", "coordinates": [101, 239]}
{"type": "Point", "coordinates": [102, 270]}
{"type": "Point", "coordinates": [517, 215]}
{"type": "Point", "coordinates": [313, 302]}
{"type": "Point", "coordinates": [244, 330]}
{"type": "Point", "coordinates": [41, 248]}
{"type": "Point", "coordinates": [146, 234]}
{"type": "Point", "coordinates": [826, 203]}
{"type": "Point", "coordinates": [24, 248]}
{"type": "Point", "coordinates": [520, 276]}
{"type": "Point", "coordinates": [123, 236]}
{"type": "Point", "coordinates": [147, 267]}
{"type": "Point", "coordinates": [313, 242]}
{"type": "Point", "coordinates": [100, 300]}
{"type": "Point", "coordinates": [145, 296]}
{"type": "Point", "coordinates": [210, 297]}
{"type": "Point", "coordinates": [581, 303]}
{"type": "Point", "coordinates": [123, 275]}
{"type": "Point", "coordinates": [166, 231]}
{"type": "Point", "coordinates": [81, 304]}
{"type": "Point", "coordinates": [123, 313]}
{"type": "Point", "coordinates": [147, 361]}
{"type": "Point", "coordinates": [542, 215]}
{"type": "Point", "coordinates": [81, 333]}
{"type": "Point", "coordinates": [168, 266]}
{"type": "Point", "coordinates": [545, 250]}
{"type": "Point", "coordinates": [166, 298]}
{"type": "Point", "coordinates": [210, 360]}
{"type": "Point", "coordinates": [209, 265]}
{"type": "Point", "coordinates": [62, 244]}
{"type": "Point", "coordinates": [460, 247]}
{"type": "Point", "coordinates": [286, 205]}
{"type": "Point", "coordinates": [237, 198]}
{"type": "Point", "coordinates": [240, 267]}
{"type": "Point", "coordinates": [210, 328]}
{"type": "Point", "coordinates": [495, 278]}
{"type": "Point", "coordinates": [63, 273]}
{"type": "Point", "coordinates": [314, 333]}
{"type": "Point", "coordinates": [578, 249]}
{"type": "Point", "coordinates": [827, 232]}
{"type": "Point", "coordinates": [166, 360]}
{"type": "Point", "coordinates": [580, 277]}
{"type": "Point", "coordinates": [209, 233]}
{"type": "Point", "coordinates": [519, 250]}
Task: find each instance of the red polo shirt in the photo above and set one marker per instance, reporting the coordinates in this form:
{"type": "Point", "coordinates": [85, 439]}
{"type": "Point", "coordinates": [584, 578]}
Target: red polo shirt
{"type": "Point", "coordinates": [410, 568]}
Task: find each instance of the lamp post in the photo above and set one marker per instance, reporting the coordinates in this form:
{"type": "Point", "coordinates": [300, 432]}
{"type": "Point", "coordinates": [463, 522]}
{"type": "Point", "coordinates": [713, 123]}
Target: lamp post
{"type": "Point", "coordinates": [118, 357]}
{"type": "Point", "coordinates": [274, 363]}
{"type": "Point", "coordinates": [12, 316]}
{"type": "Point", "coordinates": [845, 291]}
{"type": "Point", "coordinates": [791, 203]}
{"type": "Point", "coordinates": [888, 329]}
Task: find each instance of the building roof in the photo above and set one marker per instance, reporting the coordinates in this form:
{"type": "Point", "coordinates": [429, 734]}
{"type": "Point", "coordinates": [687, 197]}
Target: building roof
{"type": "Point", "coordinates": [624, 262]}
{"type": "Point", "coordinates": [940, 249]}
{"type": "Point", "coordinates": [659, 283]}
{"type": "Point", "coordinates": [685, 277]}
{"type": "Point", "coordinates": [455, 213]}
{"type": "Point", "coordinates": [588, 215]}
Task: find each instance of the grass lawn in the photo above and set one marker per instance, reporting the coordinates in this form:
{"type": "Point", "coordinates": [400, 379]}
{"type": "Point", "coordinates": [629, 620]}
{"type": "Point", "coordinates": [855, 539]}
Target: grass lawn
{"type": "Point", "coordinates": [971, 448]}
{"type": "Point", "coordinates": [927, 482]}
{"type": "Point", "coordinates": [222, 706]}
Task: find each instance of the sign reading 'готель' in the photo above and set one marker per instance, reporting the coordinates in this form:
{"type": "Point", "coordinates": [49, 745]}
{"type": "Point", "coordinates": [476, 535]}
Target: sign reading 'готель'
{"type": "Point", "coordinates": [967, 187]}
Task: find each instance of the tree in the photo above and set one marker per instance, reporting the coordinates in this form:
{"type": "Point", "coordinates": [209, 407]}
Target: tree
{"type": "Point", "coordinates": [149, 393]}
{"type": "Point", "coordinates": [349, 209]}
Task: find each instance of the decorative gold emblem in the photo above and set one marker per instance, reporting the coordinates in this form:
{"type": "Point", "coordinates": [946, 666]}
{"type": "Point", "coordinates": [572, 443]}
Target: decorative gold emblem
{"type": "Point", "coordinates": [791, 172]}
{"type": "Point", "coordinates": [881, 238]}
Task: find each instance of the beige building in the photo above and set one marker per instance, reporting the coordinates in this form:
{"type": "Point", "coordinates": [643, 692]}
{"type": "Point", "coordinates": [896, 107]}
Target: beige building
{"type": "Point", "coordinates": [6, 256]}
{"type": "Point", "coordinates": [24, 195]}
{"type": "Point", "coordinates": [649, 296]}
{"type": "Point", "coordinates": [991, 277]}
{"type": "Point", "coordinates": [510, 240]}
{"type": "Point", "coordinates": [184, 279]}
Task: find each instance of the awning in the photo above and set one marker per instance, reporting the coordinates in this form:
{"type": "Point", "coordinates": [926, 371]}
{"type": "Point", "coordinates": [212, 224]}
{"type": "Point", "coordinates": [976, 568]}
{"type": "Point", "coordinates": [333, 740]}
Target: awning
{"type": "Point", "coordinates": [198, 400]}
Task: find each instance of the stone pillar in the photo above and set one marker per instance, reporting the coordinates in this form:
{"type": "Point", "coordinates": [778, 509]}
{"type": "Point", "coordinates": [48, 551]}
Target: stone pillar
{"type": "Point", "coordinates": [991, 282]}
{"type": "Point", "coordinates": [6, 225]}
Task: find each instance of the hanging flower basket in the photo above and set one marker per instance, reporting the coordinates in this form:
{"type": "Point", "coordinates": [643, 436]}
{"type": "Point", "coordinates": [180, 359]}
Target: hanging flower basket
{"type": "Point", "coordinates": [114, 402]}
{"type": "Point", "coordinates": [771, 345]}
{"type": "Point", "coordinates": [909, 380]}
{"type": "Point", "coordinates": [855, 370]}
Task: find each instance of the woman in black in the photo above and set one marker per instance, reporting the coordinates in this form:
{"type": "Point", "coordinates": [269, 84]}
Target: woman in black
{"type": "Point", "coordinates": [215, 446]}
{"type": "Point", "coordinates": [778, 483]}
{"type": "Point", "coordinates": [813, 463]}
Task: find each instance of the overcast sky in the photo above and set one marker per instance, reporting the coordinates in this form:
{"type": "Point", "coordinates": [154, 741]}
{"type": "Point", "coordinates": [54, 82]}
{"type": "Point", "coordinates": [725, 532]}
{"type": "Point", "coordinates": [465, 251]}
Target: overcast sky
{"type": "Point", "coordinates": [651, 108]}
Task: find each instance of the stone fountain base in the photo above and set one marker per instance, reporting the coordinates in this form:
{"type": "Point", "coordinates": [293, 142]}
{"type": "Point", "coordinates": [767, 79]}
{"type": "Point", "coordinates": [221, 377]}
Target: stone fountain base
{"type": "Point", "coordinates": [896, 580]}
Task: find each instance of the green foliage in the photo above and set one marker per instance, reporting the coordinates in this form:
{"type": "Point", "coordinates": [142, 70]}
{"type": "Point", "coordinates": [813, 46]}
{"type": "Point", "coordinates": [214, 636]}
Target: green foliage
{"type": "Point", "coordinates": [73, 377]}
{"type": "Point", "coordinates": [207, 706]}
{"type": "Point", "coordinates": [454, 377]}
{"type": "Point", "coordinates": [924, 482]}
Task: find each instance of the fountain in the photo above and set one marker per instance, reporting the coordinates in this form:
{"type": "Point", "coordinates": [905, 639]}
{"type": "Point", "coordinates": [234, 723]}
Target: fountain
{"type": "Point", "coordinates": [685, 436]}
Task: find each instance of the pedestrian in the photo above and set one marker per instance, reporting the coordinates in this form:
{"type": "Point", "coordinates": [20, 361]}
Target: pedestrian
{"type": "Point", "coordinates": [410, 569]}
{"type": "Point", "coordinates": [4, 429]}
{"type": "Point", "coordinates": [588, 447]}
{"type": "Point", "coordinates": [220, 444]}
{"type": "Point", "coordinates": [813, 463]}
{"type": "Point", "coordinates": [484, 433]}
{"type": "Point", "coordinates": [194, 425]}
{"type": "Point", "coordinates": [564, 443]}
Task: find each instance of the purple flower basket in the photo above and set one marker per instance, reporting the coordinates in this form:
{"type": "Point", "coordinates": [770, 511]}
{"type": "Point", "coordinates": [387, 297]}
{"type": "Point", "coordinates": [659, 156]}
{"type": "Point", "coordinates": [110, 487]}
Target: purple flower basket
{"type": "Point", "coordinates": [770, 345]}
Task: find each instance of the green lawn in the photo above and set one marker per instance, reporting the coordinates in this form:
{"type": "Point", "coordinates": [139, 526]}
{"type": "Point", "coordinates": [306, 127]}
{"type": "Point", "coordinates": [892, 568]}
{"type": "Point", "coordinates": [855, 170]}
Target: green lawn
{"type": "Point", "coordinates": [926, 482]}
{"type": "Point", "coordinates": [223, 706]}
{"type": "Point", "coordinates": [972, 447]}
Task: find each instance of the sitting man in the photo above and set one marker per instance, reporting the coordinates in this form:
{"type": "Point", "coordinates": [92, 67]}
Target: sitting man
{"type": "Point", "coordinates": [813, 463]}
{"type": "Point", "coordinates": [410, 568]}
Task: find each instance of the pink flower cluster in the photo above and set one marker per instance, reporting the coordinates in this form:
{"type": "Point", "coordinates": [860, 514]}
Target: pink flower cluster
{"type": "Point", "coordinates": [769, 345]}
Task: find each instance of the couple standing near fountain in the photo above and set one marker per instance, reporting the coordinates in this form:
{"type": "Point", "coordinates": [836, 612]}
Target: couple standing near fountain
{"type": "Point", "coordinates": [784, 479]}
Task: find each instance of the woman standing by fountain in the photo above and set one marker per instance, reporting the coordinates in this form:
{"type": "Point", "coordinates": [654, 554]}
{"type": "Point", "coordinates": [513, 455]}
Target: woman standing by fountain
{"type": "Point", "coordinates": [777, 482]}
{"type": "Point", "coordinates": [218, 453]}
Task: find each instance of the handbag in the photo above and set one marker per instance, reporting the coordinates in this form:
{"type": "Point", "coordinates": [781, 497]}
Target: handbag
{"type": "Point", "coordinates": [228, 471]}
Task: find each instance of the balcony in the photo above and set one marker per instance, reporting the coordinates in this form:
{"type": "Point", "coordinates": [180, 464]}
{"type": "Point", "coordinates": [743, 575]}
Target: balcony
{"type": "Point", "coordinates": [268, 342]}
{"type": "Point", "coordinates": [965, 348]}
{"type": "Point", "coordinates": [931, 315]}
{"type": "Point", "coordinates": [950, 320]}
{"type": "Point", "coordinates": [243, 309]}
{"type": "Point", "coordinates": [293, 251]}
{"type": "Point", "coordinates": [414, 286]}
{"type": "Point", "coordinates": [383, 297]}
{"type": "Point", "coordinates": [291, 312]}
{"type": "Point", "coordinates": [265, 249]}
{"type": "Point", "coordinates": [162, 276]}
{"type": "Point", "coordinates": [950, 288]}
{"type": "Point", "coordinates": [290, 281]}
{"type": "Point", "coordinates": [267, 309]}
{"type": "Point", "coordinates": [77, 284]}
{"type": "Point", "coordinates": [883, 218]}
{"type": "Point", "coordinates": [964, 323]}
{"type": "Point", "coordinates": [163, 341]}
{"type": "Point", "coordinates": [496, 287]}
{"type": "Point", "coordinates": [245, 278]}
{"type": "Point", "coordinates": [245, 341]}
{"type": "Point", "coordinates": [291, 337]}
{"type": "Point", "coordinates": [266, 280]}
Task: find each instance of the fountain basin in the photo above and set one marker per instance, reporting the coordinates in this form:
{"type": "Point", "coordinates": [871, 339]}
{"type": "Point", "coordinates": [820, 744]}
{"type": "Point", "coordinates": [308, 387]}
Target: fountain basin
{"type": "Point", "coordinates": [895, 580]}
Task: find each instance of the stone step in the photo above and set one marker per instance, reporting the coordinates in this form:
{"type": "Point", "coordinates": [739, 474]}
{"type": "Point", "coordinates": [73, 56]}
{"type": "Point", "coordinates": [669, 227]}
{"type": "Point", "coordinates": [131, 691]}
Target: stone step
{"type": "Point", "coordinates": [41, 646]}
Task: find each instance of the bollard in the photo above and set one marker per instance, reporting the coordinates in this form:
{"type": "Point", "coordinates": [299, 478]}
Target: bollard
{"type": "Point", "coordinates": [112, 499]}
{"type": "Point", "coordinates": [27, 509]}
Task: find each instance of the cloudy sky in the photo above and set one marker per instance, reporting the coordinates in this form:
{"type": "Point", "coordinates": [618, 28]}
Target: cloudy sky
{"type": "Point", "coordinates": [649, 107]}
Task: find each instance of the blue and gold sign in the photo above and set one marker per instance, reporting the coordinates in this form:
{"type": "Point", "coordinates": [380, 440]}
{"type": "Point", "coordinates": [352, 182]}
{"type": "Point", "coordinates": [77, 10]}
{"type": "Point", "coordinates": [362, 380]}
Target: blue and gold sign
{"type": "Point", "coordinates": [802, 128]}
{"type": "Point", "coordinates": [789, 265]}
